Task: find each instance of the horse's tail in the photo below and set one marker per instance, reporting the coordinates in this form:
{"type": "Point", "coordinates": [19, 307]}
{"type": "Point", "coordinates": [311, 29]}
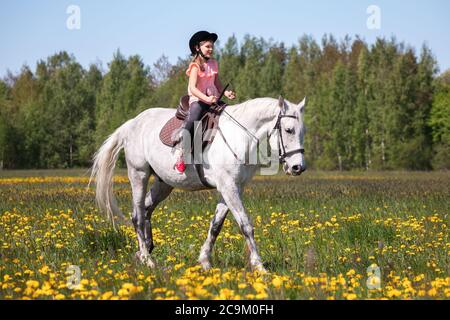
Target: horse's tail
{"type": "Point", "coordinates": [103, 170]}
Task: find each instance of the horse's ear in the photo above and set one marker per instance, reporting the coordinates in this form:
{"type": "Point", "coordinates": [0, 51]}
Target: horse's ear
{"type": "Point", "coordinates": [302, 105]}
{"type": "Point", "coordinates": [281, 103]}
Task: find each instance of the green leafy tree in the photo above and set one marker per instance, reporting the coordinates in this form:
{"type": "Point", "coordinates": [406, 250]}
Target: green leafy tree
{"type": "Point", "coordinates": [161, 70]}
{"type": "Point", "coordinates": [271, 74]}
{"type": "Point", "coordinates": [293, 84]}
{"type": "Point", "coordinates": [360, 132]}
{"type": "Point", "coordinates": [24, 117]}
{"type": "Point", "coordinates": [248, 80]}
{"type": "Point", "coordinates": [230, 62]}
{"type": "Point", "coordinates": [383, 56]}
{"type": "Point", "coordinates": [64, 104]}
{"type": "Point", "coordinates": [123, 93]}
{"type": "Point", "coordinates": [85, 130]}
{"type": "Point", "coordinates": [5, 128]}
{"type": "Point", "coordinates": [439, 122]}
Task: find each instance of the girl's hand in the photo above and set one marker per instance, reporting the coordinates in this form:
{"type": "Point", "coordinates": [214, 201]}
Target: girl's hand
{"type": "Point", "coordinates": [230, 94]}
{"type": "Point", "coordinates": [211, 99]}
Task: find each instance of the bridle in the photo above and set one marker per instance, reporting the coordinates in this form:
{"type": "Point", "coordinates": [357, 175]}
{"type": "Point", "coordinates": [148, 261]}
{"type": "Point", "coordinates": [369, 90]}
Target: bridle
{"type": "Point", "coordinates": [282, 154]}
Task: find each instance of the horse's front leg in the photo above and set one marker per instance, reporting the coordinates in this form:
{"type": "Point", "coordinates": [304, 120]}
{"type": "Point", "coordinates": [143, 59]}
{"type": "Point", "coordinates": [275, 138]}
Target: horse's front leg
{"type": "Point", "coordinates": [231, 194]}
{"type": "Point", "coordinates": [214, 229]}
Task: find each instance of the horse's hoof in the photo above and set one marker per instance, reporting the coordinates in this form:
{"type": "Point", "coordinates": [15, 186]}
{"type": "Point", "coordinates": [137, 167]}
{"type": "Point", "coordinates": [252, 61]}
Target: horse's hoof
{"type": "Point", "coordinates": [149, 263]}
{"type": "Point", "coordinates": [260, 268]}
{"type": "Point", "coordinates": [145, 259]}
{"type": "Point", "coordinates": [206, 265]}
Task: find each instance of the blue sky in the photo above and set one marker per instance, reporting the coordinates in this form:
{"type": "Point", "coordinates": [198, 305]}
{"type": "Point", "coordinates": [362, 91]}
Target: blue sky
{"type": "Point", "coordinates": [33, 30]}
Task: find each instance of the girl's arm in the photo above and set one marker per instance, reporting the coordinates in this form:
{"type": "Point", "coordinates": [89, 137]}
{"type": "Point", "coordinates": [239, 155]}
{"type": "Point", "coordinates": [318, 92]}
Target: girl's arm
{"type": "Point", "coordinates": [193, 85]}
{"type": "Point", "coordinates": [229, 93]}
{"type": "Point", "coordinates": [218, 84]}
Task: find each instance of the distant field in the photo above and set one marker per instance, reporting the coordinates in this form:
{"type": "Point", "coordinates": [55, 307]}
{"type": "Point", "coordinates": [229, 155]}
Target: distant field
{"type": "Point", "coordinates": [317, 234]}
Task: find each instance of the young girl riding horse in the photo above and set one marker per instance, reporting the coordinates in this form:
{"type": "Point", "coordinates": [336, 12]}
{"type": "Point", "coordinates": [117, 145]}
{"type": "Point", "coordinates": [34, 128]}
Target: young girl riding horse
{"type": "Point", "coordinates": [204, 85]}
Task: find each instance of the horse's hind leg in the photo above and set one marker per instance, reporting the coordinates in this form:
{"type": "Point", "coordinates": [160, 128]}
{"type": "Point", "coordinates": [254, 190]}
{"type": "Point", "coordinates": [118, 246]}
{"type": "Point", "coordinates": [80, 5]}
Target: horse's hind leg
{"type": "Point", "coordinates": [158, 192]}
{"type": "Point", "coordinates": [139, 180]}
{"type": "Point", "coordinates": [214, 229]}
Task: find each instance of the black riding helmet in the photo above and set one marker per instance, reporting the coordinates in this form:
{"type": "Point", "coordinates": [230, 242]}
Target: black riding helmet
{"type": "Point", "coordinates": [199, 37]}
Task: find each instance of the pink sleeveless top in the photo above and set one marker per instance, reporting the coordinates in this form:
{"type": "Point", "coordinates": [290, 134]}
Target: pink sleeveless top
{"type": "Point", "coordinates": [205, 79]}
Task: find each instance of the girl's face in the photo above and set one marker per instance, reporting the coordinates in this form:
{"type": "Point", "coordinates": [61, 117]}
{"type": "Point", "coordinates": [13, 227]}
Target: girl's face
{"type": "Point", "coordinates": [207, 48]}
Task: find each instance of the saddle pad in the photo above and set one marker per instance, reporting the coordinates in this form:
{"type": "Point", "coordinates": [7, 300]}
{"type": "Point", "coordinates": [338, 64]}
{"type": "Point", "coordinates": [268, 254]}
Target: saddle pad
{"type": "Point", "coordinates": [210, 121]}
{"type": "Point", "coordinates": [168, 130]}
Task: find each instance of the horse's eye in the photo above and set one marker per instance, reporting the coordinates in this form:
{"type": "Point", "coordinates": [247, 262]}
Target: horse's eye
{"type": "Point", "coordinates": [290, 130]}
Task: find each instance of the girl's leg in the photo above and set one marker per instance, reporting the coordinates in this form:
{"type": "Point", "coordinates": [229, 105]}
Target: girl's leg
{"type": "Point", "coordinates": [196, 112]}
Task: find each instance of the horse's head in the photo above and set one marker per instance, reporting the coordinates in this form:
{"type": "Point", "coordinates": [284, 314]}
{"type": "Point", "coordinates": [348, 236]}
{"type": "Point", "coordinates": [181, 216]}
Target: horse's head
{"type": "Point", "coordinates": [291, 131]}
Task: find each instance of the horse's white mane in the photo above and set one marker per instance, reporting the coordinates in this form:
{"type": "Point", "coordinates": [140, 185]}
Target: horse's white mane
{"type": "Point", "coordinates": [265, 107]}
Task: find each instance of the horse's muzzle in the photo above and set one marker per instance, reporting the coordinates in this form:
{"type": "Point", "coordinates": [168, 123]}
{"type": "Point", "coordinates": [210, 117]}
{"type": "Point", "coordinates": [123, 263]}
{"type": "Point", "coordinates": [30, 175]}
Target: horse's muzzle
{"type": "Point", "coordinates": [294, 170]}
{"type": "Point", "coordinates": [297, 170]}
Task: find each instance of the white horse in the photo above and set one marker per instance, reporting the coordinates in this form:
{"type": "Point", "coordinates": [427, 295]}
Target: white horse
{"type": "Point", "coordinates": [146, 155]}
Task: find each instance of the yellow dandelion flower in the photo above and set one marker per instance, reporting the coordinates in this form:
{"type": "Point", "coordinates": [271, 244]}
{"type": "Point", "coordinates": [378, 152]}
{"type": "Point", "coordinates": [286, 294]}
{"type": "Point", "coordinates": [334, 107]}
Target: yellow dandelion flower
{"type": "Point", "coordinates": [351, 296]}
{"type": "Point", "coordinates": [107, 295]}
{"type": "Point", "coordinates": [242, 285]}
{"type": "Point", "coordinates": [182, 282]}
{"type": "Point", "coordinates": [393, 293]}
{"type": "Point", "coordinates": [44, 269]}
{"type": "Point", "coordinates": [32, 284]}
{"type": "Point", "coordinates": [351, 272]}
{"type": "Point", "coordinates": [259, 287]}
{"type": "Point", "coordinates": [178, 266]}
{"type": "Point", "coordinates": [262, 295]}
{"type": "Point", "coordinates": [277, 282]}
{"type": "Point", "coordinates": [432, 292]}
{"type": "Point", "coordinates": [225, 294]}
{"type": "Point", "coordinates": [123, 293]}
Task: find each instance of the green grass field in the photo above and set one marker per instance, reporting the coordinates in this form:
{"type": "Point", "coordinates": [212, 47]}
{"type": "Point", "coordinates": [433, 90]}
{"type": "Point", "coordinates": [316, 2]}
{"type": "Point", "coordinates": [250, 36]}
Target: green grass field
{"type": "Point", "coordinates": [317, 234]}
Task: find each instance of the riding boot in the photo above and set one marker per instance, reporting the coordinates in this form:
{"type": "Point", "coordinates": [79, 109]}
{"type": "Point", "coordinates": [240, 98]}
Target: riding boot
{"type": "Point", "coordinates": [187, 125]}
{"type": "Point", "coordinates": [196, 111]}
{"type": "Point", "coordinates": [180, 147]}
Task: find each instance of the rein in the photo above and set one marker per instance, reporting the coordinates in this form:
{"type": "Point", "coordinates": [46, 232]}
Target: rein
{"type": "Point", "coordinates": [282, 154]}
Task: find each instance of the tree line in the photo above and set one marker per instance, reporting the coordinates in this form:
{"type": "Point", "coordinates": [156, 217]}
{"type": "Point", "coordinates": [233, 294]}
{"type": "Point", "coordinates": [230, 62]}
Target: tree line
{"type": "Point", "coordinates": [370, 107]}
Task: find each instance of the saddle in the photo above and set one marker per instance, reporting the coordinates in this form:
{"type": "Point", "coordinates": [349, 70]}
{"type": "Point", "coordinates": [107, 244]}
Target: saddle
{"type": "Point", "coordinates": [210, 126]}
{"type": "Point", "coordinates": [210, 121]}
